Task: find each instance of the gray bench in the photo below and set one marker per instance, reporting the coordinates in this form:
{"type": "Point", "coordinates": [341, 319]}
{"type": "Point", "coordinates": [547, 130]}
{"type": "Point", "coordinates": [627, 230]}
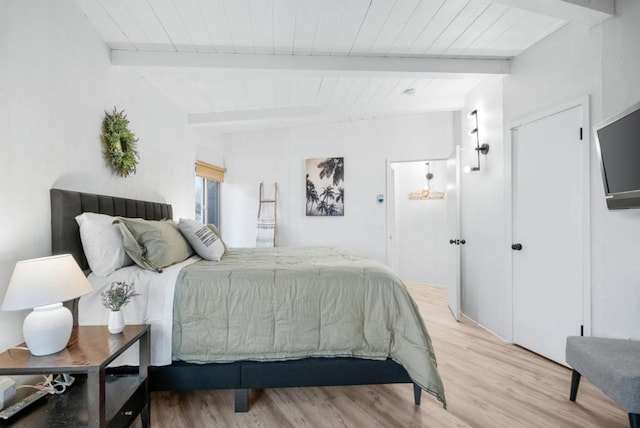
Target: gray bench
{"type": "Point", "coordinates": [613, 365]}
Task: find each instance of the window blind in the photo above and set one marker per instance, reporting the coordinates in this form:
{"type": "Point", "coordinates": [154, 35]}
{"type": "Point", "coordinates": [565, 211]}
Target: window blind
{"type": "Point", "coordinates": [210, 172]}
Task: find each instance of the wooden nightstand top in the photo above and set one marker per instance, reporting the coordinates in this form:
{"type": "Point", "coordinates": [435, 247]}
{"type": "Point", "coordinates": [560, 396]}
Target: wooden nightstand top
{"type": "Point", "coordinates": [90, 347]}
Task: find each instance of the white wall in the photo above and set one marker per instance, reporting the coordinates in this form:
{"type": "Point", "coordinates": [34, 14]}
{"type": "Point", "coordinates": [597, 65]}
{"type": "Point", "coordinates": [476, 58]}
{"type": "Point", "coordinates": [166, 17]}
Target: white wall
{"type": "Point", "coordinates": [421, 225]}
{"type": "Point", "coordinates": [616, 235]}
{"type": "Point", "coordinates": [56, 81]}
{"type": "Point", "coordinates": [563, 68]}
{"type": "Point", "coordinates": [603, 62]}
{"type": "Point", "coordinates": [210, 146]}
{"type": "Point", "coordinates": [279, 156]}
{"type": "Point", "coordinates": [482, 217]}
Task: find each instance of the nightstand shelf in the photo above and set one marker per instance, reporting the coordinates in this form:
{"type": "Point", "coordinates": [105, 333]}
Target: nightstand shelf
{"type": "Point", "coordinates": [95, 399]}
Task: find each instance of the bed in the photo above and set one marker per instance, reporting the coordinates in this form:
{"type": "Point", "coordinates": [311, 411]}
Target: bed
{"type": "Point", "coordinates": [243, 373]}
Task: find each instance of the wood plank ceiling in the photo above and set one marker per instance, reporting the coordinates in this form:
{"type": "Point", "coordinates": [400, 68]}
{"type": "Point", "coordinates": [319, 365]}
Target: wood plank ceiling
{"type": "Point", "coordinates": [339, 29]}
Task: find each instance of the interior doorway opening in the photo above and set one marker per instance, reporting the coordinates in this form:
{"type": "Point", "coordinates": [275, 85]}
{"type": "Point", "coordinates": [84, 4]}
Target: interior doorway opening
{"type": "Point", "coordinates": [417, 240]}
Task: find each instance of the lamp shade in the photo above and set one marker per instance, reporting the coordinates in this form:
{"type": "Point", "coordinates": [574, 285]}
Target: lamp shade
{"type": "Point", "coordinates": [43, 281]}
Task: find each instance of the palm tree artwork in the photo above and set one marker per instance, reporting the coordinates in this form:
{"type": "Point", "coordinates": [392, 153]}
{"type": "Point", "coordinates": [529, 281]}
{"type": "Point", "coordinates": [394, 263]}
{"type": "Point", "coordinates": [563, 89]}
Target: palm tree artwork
{"type": "Point", "coordinates": [325, 187]}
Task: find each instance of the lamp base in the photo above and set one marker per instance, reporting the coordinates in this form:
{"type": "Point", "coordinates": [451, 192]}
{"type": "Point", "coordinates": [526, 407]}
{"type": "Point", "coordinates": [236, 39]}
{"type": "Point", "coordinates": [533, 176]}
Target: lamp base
{"type": "Point", "coordinates": [47, 329]}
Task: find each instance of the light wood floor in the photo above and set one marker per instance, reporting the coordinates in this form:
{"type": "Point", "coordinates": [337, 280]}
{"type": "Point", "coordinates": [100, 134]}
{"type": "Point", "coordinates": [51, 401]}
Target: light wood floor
{"type": "Point", "coordinates": [488, 384]}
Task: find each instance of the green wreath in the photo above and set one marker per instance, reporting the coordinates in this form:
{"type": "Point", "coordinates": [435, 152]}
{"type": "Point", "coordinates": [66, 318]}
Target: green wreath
{"type": "Point", "coordinates": [119, 143]}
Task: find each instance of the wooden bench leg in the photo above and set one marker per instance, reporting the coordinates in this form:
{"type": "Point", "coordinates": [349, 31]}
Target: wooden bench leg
{"type": "Point", "coordinates": [417, 393]}
{"type": "Point", "coordinates": [241, 400]}
{"type": "Point", "coordinates": [575, 383]}
{"type": "Point", "coordinates": [634, 420]}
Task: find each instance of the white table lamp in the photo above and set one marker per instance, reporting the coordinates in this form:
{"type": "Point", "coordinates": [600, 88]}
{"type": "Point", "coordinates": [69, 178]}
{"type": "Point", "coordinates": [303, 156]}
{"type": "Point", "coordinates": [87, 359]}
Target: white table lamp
{"type": "Point", "coordinates": [43, 284]}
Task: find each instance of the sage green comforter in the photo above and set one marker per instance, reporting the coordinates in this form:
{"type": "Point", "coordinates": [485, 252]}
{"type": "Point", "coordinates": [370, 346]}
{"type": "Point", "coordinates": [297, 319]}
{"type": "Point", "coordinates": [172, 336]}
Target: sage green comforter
{"type": "Point", "coordinates": [288, 303]}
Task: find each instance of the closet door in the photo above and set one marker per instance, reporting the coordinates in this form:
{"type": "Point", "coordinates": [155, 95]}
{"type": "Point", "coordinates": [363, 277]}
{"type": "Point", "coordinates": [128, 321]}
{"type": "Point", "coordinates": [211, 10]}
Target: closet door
{"type": "Point", "coordinates": [549, 223]}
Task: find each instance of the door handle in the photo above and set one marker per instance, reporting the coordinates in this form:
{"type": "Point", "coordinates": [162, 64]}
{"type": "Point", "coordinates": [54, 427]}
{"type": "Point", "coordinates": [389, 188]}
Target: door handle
{"type": "Point", "coordinates": [462, 241]}
{"type": "Point", "coordinates": [451, 241]}
{"type": "Point", "coordinates": [516, 247]}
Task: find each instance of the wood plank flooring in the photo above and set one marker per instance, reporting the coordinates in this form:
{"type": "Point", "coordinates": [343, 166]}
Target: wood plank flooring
{"type": "Point", "coordinates": [488, 384]}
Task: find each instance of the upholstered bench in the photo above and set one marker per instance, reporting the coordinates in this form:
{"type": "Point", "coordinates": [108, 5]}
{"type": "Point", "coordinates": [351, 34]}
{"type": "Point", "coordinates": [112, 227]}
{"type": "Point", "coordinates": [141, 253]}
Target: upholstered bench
{"type": "Point", "coordinates": [613, 365]}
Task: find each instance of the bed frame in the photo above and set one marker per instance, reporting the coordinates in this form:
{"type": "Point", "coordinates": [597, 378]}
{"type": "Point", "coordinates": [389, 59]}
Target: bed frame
{"type": "Point", "coordinates": [241, 376]}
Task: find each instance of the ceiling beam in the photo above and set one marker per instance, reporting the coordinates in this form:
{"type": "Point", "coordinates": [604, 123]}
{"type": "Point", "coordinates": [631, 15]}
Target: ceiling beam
{"type": "Point", "coordinates": [320, 65]}
{"type": "Point", "coordinates": [590, 12]}
{"type": "Point", "coordinates": [329, 112]}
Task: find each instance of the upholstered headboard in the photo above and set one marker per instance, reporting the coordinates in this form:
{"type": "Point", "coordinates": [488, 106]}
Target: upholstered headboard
{"type": "Point", "coordinates": [67, 204]}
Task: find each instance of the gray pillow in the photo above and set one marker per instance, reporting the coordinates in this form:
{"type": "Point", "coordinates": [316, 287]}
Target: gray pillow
{"type": "Point", "coordinates": [153, 244]}
{"type": "Point", "coordinates": [207, 244]}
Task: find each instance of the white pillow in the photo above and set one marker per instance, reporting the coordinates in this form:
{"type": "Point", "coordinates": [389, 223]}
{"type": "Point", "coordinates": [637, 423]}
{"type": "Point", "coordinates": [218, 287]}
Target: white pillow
{"type": "Point", "coordinates": [102, 243]}
{"type": "Point", "coordinates": [202, 239]}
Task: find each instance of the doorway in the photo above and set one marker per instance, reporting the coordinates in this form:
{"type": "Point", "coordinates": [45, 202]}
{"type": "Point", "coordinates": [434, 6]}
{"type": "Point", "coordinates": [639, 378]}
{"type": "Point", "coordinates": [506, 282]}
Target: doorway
{"type": "Point", "coordinates": [417, 239]}
{"type": "Point", "coordinates": [550, 226]}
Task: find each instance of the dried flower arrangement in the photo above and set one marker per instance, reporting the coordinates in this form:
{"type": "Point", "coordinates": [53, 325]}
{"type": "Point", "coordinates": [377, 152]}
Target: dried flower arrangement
{"type": "Point", "coordinates": [118, 295]}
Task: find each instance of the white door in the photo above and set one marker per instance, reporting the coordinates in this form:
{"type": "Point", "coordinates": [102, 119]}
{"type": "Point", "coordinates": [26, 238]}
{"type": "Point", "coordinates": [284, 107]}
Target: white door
{"type": "Point", "coordinates": [392, 235]}
{"type": "Point", "coordinates": [453, 232]}
{"type": "Point", "coordinates": [548, 227]}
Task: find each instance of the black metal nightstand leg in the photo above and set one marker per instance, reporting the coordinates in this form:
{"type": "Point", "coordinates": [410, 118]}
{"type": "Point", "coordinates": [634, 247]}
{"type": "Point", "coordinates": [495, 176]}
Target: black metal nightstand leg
{"type": "Point", "coordinates": [145, 416]}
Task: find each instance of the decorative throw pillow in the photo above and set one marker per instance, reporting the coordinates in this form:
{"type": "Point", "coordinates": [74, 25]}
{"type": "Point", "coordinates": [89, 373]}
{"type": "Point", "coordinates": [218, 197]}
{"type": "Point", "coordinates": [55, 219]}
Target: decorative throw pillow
{"type": "Point", "coordinates": [102, 243]}
{"type": "Point", "coordinates": [206, 243]}
{"type": "Point", "coordinates": [218, 234]}
{"type": "Point", "coordinates": [153, 244]}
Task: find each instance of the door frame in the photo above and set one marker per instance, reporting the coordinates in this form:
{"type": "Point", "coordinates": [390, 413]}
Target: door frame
{"type": "Point", "coordinates": [391, 198]}
{"type": "Point", "coordinates": [583, 102]}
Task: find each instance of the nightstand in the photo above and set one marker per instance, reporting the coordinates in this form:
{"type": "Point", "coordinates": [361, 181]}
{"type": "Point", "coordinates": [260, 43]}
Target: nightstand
{"type": "Point", "coordinates": [96, 399]}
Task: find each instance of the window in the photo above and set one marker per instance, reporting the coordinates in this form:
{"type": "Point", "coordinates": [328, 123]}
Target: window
{"type": "Point", "coordinates": [207, 186]}
{"type": "Point", "coordinates": [207, 200]}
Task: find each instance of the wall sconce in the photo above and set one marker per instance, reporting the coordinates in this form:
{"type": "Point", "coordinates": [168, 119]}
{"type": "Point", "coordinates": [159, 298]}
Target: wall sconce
{"type": "Point", "coordinates": [480, 148]}
{"type": "Point", "coordinates": [428, 176]}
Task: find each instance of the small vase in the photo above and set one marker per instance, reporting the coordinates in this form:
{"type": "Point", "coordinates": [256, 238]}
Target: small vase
{"type": "Point", "coordinates": [116, 322]}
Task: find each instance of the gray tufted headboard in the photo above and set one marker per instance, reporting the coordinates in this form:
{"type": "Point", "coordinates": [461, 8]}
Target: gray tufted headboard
{"type": "Point", "coordinates": [67, 204]}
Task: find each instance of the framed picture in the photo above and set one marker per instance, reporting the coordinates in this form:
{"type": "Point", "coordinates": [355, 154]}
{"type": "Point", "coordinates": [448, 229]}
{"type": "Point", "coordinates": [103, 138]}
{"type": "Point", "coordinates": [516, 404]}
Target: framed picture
{"type": "Point", "coordinates": [325, 187]}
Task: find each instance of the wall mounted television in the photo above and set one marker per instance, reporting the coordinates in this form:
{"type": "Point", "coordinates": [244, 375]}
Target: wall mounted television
{"type": "Point", "coordinates": [618, 148]}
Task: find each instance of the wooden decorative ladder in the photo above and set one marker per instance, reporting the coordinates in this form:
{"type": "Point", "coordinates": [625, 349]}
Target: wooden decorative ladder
{"type": "Point", "coordinates": [266, 234]}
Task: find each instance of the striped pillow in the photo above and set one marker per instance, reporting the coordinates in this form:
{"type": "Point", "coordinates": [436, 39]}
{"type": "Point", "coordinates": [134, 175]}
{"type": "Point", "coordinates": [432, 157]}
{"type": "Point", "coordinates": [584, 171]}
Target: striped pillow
{"type": "Point", "coordinates": [206, 243]}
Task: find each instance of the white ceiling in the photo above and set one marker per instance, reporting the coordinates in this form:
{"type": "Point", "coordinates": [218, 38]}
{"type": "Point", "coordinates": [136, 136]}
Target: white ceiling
{"type": "Point", "coordinates": [242, 64]}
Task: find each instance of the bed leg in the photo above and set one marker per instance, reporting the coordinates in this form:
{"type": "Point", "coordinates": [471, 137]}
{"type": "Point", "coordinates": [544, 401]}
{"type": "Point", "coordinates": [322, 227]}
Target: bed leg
{"type": "Point", "coordinates": [242, 400]}
{"type": "Point", "coordinates": [417, 393]}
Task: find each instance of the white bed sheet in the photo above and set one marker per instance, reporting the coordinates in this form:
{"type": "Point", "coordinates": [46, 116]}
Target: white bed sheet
{"type": "Point", "coordinates": [154, 306]}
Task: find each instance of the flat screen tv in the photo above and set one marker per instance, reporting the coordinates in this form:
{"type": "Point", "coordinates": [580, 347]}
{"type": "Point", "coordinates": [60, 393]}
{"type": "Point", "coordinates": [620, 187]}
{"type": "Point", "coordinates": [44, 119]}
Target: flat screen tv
{"type": "Point", "coordinates": [618, 147]}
